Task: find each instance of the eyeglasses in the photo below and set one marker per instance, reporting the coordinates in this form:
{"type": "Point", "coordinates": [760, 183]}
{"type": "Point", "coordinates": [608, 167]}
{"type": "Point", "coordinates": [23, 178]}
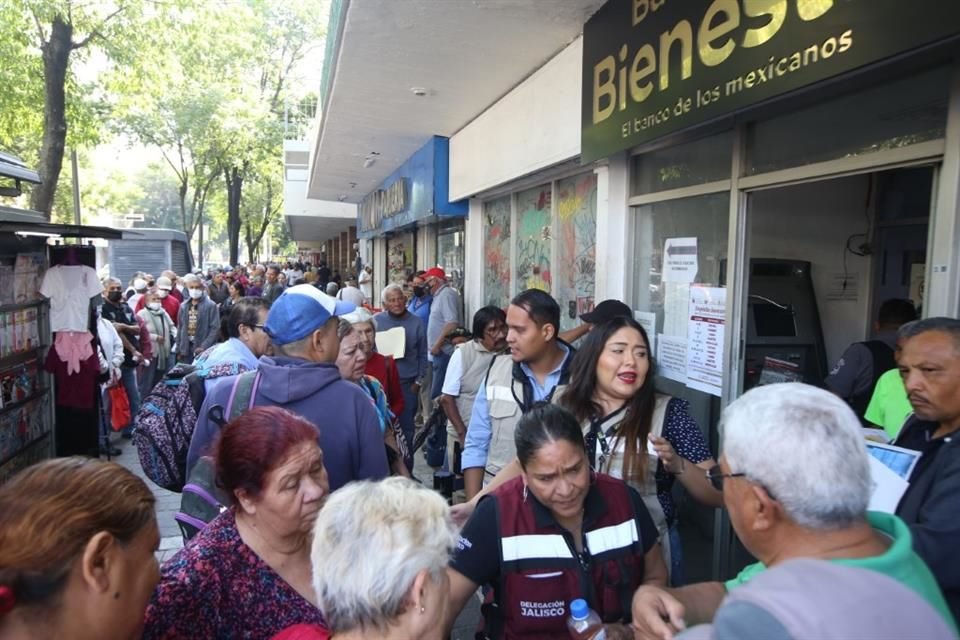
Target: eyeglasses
{"type": "Point", "coordinates": [716, 476]}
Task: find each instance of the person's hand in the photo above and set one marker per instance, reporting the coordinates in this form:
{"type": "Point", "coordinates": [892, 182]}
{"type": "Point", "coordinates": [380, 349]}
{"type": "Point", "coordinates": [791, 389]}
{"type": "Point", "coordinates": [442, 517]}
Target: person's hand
{"type": "Point", "coordinates": [137, 356]}
{"type": "Point", "coordinates": [462, 512]}
{"type": "Point", "coordinates": [618, 632]}
{"type": "Point", "coordinates": [415, 388]}
{"type": "Point", "coordinates": [672, 462]}
{"type": "Point", "coordinates": [656, 614]}
{"type": "Point", "coordinates": [435, 350]}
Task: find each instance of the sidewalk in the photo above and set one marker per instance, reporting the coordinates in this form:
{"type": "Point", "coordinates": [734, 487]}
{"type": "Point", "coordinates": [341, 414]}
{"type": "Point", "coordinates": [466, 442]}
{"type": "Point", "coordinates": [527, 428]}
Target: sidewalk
{"type": "Point", "coordinates": [168, 503]}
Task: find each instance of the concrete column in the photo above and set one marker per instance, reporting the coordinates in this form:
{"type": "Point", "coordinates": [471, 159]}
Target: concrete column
{"type": "Point", "coordinates": [474, 266]}
{"type": "Point", "coordinates": [613, 263]}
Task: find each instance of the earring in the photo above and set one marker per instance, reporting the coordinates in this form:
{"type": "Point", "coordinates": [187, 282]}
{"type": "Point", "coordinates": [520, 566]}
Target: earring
{"type": "Point", "coordinates": [524, 493]}
{"type": "Point", "coordinates": [423, 609]}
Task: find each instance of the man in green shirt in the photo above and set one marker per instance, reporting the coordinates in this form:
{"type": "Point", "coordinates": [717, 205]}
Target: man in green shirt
{"type": "Point", "coordinates": [796, 482]}
{"type": "Point", "coordinates": [889, 407]}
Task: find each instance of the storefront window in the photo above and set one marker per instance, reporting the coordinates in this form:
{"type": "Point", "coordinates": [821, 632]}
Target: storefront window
{"type": "Point", "coordinates": [577, 246]}
{"type": "Point", "coordinates": [680, 249]}
{"type": "Point", "coordinates": [682, 165]}
{"type": "Point", "coordinates": [400, 257]}
{"type": "Point", "coordinates": [496, 252]}
{"type": "Point", "coordinates": [450, 253]}
{"type": "Point", "coordinates": [893, 115]}
{"type": "Point", "coordinates": [533, 239]}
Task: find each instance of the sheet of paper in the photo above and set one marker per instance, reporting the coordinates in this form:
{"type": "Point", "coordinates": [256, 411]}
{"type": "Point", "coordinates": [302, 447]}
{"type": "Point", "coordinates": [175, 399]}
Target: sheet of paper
{"type": "Point", "coordinates": [392, 342]}
{"type": "Point", "coordinates": [648, 320]}
{"type": "Point", "coordinates": [676, 302]}
{"type": "Point", "coordinates": [672, 357]}
{"type": "Point", "coordinates": [680, 260]}
{"type": "Point", "coordinates": [888, 487]}
{"type": "Point", "coordinates": [708, 308]}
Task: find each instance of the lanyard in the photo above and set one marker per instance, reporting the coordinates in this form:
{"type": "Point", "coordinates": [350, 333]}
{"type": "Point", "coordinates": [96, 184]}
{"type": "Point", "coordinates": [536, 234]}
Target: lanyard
{"type": "Point", "coordinates": [597, 435]}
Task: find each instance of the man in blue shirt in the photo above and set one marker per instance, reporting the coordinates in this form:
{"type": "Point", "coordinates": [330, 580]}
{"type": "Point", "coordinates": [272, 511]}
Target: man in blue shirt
{"type": "Point", "coordinates": [536, 368]}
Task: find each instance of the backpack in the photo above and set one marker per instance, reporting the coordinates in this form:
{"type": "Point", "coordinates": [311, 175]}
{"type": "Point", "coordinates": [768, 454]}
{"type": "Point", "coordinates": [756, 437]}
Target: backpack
{"type": "Point", "coordinates": [202, 499]}
{"type": "Point", "coordinates": [166, 420]}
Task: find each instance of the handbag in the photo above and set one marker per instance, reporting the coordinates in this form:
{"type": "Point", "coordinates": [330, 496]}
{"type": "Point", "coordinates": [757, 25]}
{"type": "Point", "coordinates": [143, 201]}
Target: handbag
{"type": "Point", "coordinates": [119, 407]}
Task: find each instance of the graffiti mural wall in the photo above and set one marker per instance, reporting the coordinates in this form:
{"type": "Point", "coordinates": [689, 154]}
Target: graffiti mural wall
{"type": "Point", "coordinates": [534, 237]}
{"type": "Point", "coordinates": [575, 269]}
{"type": "Point", "coordinates": [496, 250]}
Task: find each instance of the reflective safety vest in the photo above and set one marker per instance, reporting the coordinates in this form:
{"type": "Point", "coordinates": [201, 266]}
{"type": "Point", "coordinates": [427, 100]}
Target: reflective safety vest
{"type": "Point", "coordinates": [510, 395]}
{"type": "Point", "coordinates": [541, 571]}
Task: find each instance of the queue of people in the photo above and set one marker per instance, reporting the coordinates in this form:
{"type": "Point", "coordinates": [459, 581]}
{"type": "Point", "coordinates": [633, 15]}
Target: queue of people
{"type": "Point", "coordinates": [570, 458]}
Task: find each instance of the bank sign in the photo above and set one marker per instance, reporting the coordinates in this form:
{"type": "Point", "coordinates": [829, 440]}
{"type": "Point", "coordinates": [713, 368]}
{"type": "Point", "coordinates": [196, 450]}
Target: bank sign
{"type": "Point", "coordinates": [652, 67]}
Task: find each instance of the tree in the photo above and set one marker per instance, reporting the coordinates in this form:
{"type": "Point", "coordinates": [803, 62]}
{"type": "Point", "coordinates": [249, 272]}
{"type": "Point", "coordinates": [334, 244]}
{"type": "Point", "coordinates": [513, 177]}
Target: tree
{"type": "Point", "coordinates": [61, 30]}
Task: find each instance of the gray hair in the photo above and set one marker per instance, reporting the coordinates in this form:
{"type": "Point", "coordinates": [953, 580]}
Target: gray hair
{"type": "Point", "coordinates": [344, 328]}
{"type": "Point", "coordinates": [109, 281]}
{"type": "Point", "coordinates": [360, 316]}
{"type": "Point", "coordinates": [190, 278]}
{"type": "Point", "coordinates": [387, 289]}
{"type": "Point", "coordinates": [949, 326]}
{"type": "Point", "coordinates": [332, 288]}
{"type": "Point", "coordinates": [370, 541]}
{"type": "Point", "coordinates": [805, 446]}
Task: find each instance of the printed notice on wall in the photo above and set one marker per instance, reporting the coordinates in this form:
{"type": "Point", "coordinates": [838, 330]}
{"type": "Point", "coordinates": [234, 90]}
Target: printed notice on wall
{"type": "Point", "coordinates": [672, 357]}
{"type": "Point", "coordinates": [676, 300]}
{"type": "Point", "coordinates": [708, 308]}
{"type": "Point", "coordinates": [679, 260]}
{"type": "Point", "coordinates": [648, 320]}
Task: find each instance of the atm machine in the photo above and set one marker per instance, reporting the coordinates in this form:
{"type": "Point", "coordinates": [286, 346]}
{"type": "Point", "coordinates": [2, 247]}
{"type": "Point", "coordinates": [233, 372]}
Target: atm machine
{"type": "Point", "coordinates": [784, 340]}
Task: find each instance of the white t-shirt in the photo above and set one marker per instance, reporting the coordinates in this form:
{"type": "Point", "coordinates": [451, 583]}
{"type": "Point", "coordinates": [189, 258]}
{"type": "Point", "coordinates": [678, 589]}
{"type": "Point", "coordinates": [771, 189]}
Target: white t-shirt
{"type": "Point", "coordinates": [451, 383]}
{"type": "Point", "coordinates": [351, 294]}
{"type": "Point", "coordinates": [69, 288]}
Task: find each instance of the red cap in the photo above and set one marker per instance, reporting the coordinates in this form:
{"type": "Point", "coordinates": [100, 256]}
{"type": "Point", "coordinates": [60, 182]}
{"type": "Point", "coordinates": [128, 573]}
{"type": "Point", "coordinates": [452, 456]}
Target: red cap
{"type": "Point", "coordinates": [435, 272]}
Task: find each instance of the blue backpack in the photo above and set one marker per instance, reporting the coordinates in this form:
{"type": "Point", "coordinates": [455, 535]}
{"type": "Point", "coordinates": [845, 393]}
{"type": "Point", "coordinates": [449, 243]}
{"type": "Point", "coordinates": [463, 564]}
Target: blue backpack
{"type": "Point", "coordinates": [167, 418]}
{"type": "Point", "coordinates": [202, 499]}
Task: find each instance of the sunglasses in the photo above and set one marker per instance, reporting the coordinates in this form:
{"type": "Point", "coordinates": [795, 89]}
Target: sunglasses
{"type": "Point", "coordinates": [716, 476]}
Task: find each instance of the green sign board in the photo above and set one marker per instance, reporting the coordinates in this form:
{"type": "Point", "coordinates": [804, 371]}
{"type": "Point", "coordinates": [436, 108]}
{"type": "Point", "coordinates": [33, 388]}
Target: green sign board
{"type": "Point", "coordinates": [652, 67]}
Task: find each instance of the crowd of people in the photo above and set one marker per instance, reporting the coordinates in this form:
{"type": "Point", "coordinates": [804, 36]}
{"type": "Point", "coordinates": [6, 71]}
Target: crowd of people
{"type": "Point", "coordinates": [570, 459]}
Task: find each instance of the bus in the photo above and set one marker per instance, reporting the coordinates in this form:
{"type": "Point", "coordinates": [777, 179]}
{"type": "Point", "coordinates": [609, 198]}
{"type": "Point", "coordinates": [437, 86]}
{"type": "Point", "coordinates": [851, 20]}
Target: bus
{"type": "Point", "coordinates": [148, 250]}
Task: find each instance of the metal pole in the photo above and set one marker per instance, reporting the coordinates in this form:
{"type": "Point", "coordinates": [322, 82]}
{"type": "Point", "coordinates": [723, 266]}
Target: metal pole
{"type": "Point", "coordinates": [76, 187]}
{"type": "Point", "coordinates": [200, 244]}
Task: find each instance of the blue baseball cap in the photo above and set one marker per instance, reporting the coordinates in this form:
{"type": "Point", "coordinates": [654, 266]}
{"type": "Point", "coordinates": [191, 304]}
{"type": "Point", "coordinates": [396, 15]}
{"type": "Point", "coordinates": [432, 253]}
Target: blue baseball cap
{"type": "Point", "coordinates": [301, 310]}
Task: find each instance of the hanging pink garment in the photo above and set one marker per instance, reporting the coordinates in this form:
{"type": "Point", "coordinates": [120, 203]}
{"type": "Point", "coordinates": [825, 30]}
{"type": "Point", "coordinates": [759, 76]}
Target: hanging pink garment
{"type": "Point", "coordinates": [73, 347]}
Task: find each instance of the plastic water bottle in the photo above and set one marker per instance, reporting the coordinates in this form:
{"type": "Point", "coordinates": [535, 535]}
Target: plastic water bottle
{"type": "Point", "coordinates": [584, 623]}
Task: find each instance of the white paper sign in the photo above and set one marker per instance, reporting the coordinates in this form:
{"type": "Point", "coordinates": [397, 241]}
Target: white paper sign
{"type": "Point", "coordinates": [672, 357]}
{"type": "Point", "coordinates": [679, 260]}
{"type": "Point", "coordinates": [676, 301]}
{"type": "Point", "coordinates": [708, 308]}
{"type": "Point", "coordinates": [392, 342]}
{"type": "Point", "coordinates": [648, 320]}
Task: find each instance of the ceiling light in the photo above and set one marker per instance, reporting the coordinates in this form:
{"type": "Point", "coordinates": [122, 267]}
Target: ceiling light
{"type": "Point", "coordinates": [418, 91]}
{"type": "Point", "coordinates": [369, 162]}
{"type": "Point", "coordinates": [342, 197]}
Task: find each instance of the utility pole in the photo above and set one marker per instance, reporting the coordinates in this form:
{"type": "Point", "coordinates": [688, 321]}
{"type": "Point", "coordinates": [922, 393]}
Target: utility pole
{"type": "Point", "coordinates": [200, 244]}
{"type": "Point", "coordinates": [76, 187]}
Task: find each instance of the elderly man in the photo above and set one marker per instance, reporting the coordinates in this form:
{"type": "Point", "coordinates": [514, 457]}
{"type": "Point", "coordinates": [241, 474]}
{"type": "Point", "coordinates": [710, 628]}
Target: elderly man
{"type": "Point", "coordinates": [412, 366]}
{"type": "Point", "coordinates": [175, 290]}
{"type": "Point", "coordinates": [796, 482]}
{"type": "Point", "coordinates": [929, 363]}
{"type": "Point", "coordinates": [124, 320]}
{"type": "Point", "coordinates": [445, 316]}
{"type": "Point", "coordinates": [303, 378]}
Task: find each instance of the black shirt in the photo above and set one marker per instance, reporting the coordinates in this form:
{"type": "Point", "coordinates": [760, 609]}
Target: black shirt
{"type": "Point", "coordinates": [122, 313]}
{"type": "Point", "coordinates": [478, 551]}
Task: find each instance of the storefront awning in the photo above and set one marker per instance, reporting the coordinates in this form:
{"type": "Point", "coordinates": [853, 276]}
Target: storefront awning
{"type": "Point", "coordinates": [33, 223]}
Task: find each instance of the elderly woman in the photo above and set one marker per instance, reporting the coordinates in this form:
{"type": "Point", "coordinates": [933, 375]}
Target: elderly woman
{"type": "Point", "coordinates": [556, 533]}
{"type": "Point", "coordinates": [199, 322]}
{"type": "Point", "coordinates": [247, 574]}
{"type": "Point", "coordinates": [162, 333]}
{"type": "Point", "coordinates": [379, 553]}
{"type": "Point", "coordinates": [351, 361]}
{"type": "Point", "coordinates": [383, 368]}
{"type": "Point", "coordinates": [73, 565]}
{"type": "Point", "coordinates": [633, 433]}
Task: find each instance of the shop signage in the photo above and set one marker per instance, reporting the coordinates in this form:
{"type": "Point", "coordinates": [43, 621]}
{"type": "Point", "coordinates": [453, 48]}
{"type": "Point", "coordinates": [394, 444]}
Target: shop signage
{"type": "Point", "coordinates": [384, 203]}
{"type": "Point", "coordinates": [652, 67]}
